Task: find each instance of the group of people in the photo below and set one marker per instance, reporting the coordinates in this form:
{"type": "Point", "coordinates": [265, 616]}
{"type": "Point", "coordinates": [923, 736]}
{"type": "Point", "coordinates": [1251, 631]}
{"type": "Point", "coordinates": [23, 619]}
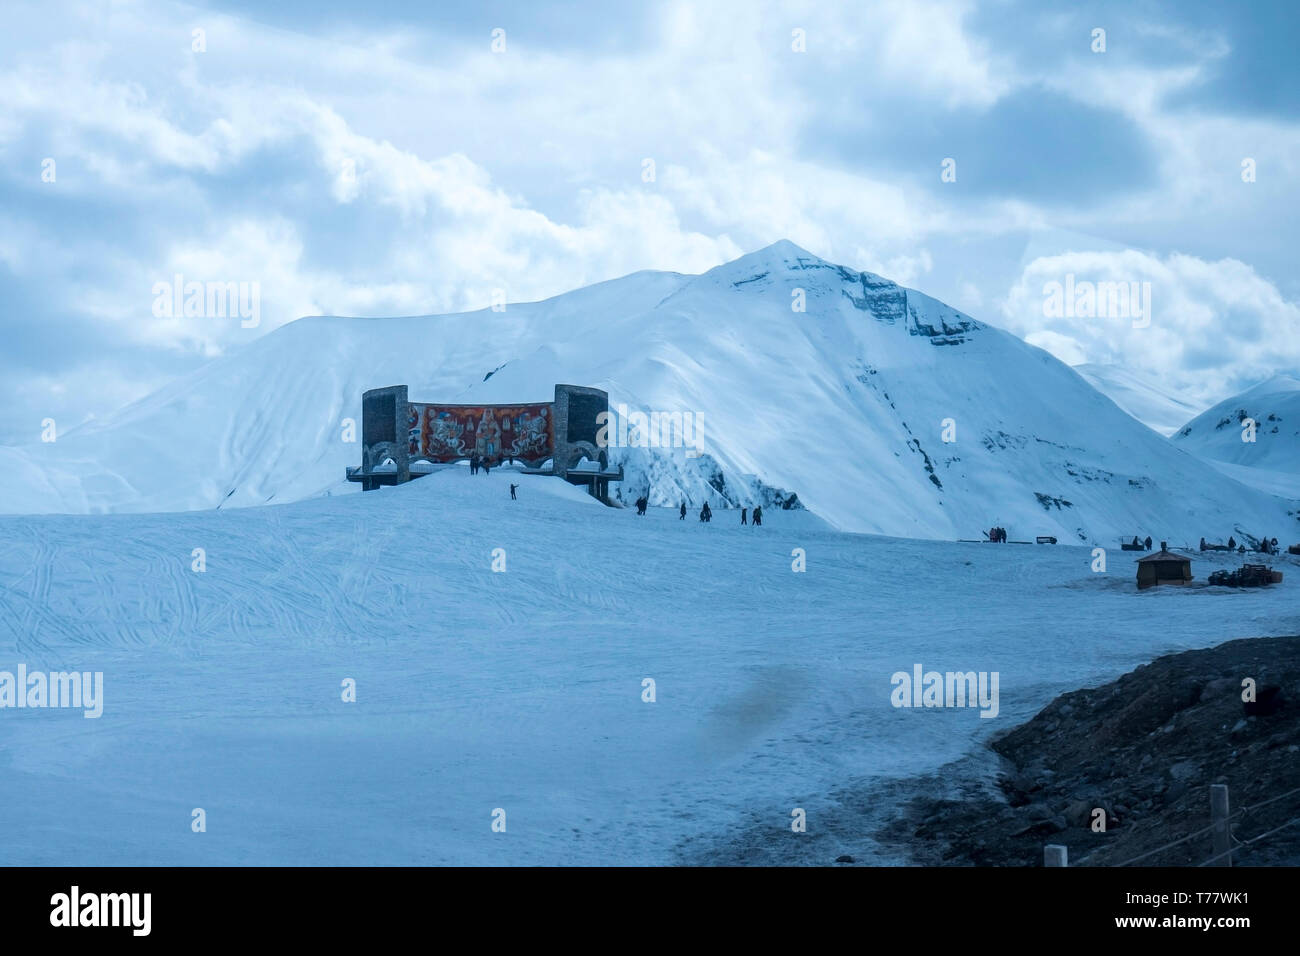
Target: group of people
{"type": "Point", "coordinates": [706, 513]}
{"type": "Point", "coordinates": [475, 463]}
{"type": "Point", "coordinates": [641, 504]}
{"type": "Point", "coordinates": [1147, 544]}
{"type": "Point", "coordinates": [1266, 545]}
{"type": "Point", "coordinates": [998, 534]}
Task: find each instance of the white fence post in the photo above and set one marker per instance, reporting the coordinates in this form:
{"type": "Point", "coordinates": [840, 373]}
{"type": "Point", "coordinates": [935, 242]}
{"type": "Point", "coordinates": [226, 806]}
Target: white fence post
{"type": "Point", "coordinates": [1219, 820]}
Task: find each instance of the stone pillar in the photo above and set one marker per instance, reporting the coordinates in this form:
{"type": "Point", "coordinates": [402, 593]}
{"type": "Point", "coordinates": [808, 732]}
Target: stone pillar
{"type": "Point", "coordinates": [576, 408]}
{"type": "Point", "coordinates": [384, 430]}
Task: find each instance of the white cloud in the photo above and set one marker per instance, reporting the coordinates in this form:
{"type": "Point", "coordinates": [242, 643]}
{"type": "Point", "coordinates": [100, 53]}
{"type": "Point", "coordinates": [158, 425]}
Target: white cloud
{"type": "Point", "coordinates": [1215, 327]}
{"type": "Point", "coordinates": [926, 43]}
{"type": "Point", "coordinates": [522, 171]}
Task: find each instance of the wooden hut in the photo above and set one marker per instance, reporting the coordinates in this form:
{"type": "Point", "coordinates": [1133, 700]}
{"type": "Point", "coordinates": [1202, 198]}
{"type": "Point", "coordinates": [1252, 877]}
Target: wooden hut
{"type": "Point", "coordinates": [1163, 567]}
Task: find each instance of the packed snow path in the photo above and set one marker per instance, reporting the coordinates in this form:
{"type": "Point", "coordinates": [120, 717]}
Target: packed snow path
{"type": "Point", "coordinates": [522, 690]}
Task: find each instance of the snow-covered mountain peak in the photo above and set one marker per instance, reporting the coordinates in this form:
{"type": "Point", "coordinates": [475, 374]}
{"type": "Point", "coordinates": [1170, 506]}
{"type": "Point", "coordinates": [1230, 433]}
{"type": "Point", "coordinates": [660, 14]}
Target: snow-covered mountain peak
{"type": "Point", "coordinates": [782, 255]}
{"type": "Point", "coordinates": [1222, 433]}
{"type": "Point", "coordinates": [785, 262]}
{"type": "Point", "coordinates": [881, 408]}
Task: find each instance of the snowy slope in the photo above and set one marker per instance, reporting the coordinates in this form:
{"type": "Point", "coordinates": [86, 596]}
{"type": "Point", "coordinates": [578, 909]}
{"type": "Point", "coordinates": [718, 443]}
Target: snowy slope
{"type": "Point", "coordinates": [1153, 406]}
{"type": "Point", "coordinates": [1272, 461]}
{"type": "Point", "coordinates": [842, 404]}
{"type": "Point", "coordinates": [1274, 405]}
{"type": "Point", "coordinates": [523, 689]}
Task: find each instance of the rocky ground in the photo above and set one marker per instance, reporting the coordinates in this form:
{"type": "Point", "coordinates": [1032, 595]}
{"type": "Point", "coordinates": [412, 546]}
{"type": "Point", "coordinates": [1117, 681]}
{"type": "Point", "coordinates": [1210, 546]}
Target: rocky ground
{"type": "Point", "coordinates": [1144, 749]}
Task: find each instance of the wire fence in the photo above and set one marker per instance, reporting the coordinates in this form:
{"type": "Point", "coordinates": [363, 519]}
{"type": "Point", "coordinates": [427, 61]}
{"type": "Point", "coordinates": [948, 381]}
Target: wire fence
{"type": "Point", "coordinates": [1241, 813]}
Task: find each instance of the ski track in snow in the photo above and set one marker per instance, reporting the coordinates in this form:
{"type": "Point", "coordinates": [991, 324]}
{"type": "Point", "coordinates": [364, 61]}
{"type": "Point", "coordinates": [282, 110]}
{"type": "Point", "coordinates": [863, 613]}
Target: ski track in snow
{"type": "Point", "coordinates": [522, 690]}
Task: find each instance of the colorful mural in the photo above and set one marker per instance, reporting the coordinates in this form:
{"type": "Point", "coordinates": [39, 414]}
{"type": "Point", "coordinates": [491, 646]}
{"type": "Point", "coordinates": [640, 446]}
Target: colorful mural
{"type": "Point", "coordinates": [446, 433]}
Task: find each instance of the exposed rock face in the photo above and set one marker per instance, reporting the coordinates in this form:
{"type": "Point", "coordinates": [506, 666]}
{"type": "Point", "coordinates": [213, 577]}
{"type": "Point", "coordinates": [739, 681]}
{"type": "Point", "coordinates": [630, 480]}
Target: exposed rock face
{"type": "Point", "coordinates": [1141, 753]}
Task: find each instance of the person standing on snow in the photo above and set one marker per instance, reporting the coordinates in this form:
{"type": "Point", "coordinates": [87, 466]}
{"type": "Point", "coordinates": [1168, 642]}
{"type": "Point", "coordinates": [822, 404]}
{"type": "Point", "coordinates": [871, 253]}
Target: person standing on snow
{"type": "Point", "coordinates": [682, 514]}
{"type": "Point", "coordinates": [743, 512]}
{"type": "Point", "coordinates": [758, 516]}
{"type": "Point", "coordinates": [512, 492]}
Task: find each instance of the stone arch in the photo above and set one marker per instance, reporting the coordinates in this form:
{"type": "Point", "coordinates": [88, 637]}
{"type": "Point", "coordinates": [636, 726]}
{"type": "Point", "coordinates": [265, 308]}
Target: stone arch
{"type": "Point", "coordinates": [374, 456]}
{"type": "Point", "coordinates": [584, 449]}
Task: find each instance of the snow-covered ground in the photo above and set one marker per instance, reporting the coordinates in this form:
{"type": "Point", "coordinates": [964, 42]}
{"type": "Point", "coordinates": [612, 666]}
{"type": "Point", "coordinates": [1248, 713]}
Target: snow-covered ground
{"type": "Point", "coordinates": [522, 690]}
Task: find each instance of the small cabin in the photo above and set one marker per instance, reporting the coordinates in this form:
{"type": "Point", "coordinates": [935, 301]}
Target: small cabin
{"type": "Point", "coordinates": [1163, 567]}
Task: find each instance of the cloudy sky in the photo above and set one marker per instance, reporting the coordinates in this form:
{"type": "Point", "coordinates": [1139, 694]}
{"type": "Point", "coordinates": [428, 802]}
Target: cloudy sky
{"type": "Point", "coordinates": [407, 158]}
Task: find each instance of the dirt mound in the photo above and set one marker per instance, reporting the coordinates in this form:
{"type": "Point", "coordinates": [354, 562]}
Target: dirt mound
{"type": "Point", "coordinates": [1140, 754]}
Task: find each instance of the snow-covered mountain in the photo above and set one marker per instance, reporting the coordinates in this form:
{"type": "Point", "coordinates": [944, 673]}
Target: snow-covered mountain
{"type": "Point", "coordinates": [1272, 460]}
{"type": "Point", "coordinates": [1149, 403]}
{"type": "Point", "coordinates": [846, 404]}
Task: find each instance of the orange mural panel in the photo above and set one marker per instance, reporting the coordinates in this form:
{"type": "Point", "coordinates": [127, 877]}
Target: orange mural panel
{"type": "Point", "coordinates": [447, 433]}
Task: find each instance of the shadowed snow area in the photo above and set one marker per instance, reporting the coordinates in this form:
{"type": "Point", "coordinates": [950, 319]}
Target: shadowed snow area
{"type": "Point", "coordinates": [522, 690]}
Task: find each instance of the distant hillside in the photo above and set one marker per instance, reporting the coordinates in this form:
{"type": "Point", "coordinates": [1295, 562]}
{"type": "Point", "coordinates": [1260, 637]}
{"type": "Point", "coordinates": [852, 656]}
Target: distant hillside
{"type": "Point", "coordinates": [1146, 401]}
{"type": "Point", "coordinates": [808, 379]}
{"type": "Point", "coordinates": [1270, 462]}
